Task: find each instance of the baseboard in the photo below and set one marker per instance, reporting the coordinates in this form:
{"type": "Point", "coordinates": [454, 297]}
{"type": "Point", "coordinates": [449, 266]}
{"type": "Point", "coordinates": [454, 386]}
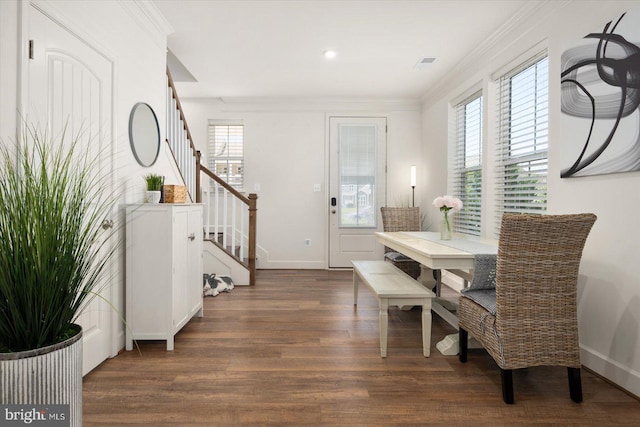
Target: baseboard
{"type": "Point", "coordinates": [620, 375]}
{"type": "Point", "coordinates": [291, 265]}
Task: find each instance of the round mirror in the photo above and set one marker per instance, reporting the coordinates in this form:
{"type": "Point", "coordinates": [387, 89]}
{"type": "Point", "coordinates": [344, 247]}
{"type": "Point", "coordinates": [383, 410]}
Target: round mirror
{"type": "Point", "coordinates": [144, 134]}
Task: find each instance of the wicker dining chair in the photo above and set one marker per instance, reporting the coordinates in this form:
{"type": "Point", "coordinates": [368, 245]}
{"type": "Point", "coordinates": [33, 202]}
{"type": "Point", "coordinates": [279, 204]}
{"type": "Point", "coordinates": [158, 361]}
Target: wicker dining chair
{"type": "Point", "coordinates": [401, 219]}
{"type": "Point", "coordinates": [531, 318]}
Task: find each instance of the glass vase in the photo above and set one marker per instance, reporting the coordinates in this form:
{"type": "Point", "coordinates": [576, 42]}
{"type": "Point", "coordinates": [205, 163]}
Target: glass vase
{"type": "Point", "coordinates": [445, 227]}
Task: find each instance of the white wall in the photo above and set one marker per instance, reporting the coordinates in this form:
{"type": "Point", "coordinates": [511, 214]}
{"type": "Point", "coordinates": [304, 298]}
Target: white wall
{"type": "Point", "coordinates": [286, 154]}
{"type": "Point", "coordinates": [133, 37]}
{"type": "Point", "coordinates": [609, 285]}
{"type": "Point", "coordinates": [8, 69]}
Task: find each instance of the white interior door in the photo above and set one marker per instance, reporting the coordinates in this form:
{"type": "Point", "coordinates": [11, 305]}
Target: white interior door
{"type": "Point", "coordinates": [70, 84]}
{"type": "Point", "coordinates": [357, 188]}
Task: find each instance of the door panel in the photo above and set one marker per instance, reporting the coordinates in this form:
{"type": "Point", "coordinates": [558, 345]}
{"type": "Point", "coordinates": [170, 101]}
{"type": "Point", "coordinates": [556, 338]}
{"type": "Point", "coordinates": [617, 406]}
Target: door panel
{"type": "Point", "coordinates": [70, 87]}
{"type": "Point", "coordinates": [356, 243]}
{"type": "Point", "coordinates": [357, 186]}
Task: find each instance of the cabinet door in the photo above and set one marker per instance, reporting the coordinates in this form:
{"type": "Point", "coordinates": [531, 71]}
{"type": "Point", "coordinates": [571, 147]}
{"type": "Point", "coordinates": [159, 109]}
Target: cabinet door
{"type": "Point", "coordinates": [195, 259]}
{"type": "Point", "coordinates": [181, 254]}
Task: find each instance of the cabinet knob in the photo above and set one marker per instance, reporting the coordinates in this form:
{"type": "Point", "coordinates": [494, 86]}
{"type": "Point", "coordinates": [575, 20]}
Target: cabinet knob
{"type": "Point", "coordinates": [192, 236]}
{"type": "Point", "coordinates": [107, 224]}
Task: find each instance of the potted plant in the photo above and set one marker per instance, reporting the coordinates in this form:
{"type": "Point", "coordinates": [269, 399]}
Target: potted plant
{"type": "Point", "coordinates": [154, 184]}
{"type": "Point", "coordinates": [54, 252]}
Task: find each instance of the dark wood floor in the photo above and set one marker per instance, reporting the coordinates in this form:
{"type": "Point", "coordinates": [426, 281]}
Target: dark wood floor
{"type": "Point", "coordinates": [293, 350]}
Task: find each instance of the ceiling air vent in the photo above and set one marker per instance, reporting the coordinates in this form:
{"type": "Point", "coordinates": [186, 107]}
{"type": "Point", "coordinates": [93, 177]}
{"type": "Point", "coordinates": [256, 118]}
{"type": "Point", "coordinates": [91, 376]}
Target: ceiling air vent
{"type": "Point", "coordinates": [424, 62]}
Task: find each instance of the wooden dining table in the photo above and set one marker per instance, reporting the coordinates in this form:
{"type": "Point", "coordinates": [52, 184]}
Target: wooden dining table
{"type": "Point", "coordinates": [455, 255]}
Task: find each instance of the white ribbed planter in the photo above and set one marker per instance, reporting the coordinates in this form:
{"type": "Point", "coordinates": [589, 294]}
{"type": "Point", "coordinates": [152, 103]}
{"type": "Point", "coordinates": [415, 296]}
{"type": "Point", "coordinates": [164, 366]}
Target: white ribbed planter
{"type": "Point", "coordinates": [46, 376]}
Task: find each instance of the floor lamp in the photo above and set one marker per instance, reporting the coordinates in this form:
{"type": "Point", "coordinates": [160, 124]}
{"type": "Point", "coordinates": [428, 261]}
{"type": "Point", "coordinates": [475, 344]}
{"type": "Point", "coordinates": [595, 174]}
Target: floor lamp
{"type": "Point", "coordinates": [413, 186]}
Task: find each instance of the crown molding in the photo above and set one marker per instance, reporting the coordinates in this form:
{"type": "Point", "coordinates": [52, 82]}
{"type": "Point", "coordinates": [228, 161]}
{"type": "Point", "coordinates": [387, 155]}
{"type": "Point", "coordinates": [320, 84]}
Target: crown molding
{"type": "Point", "coordinates": [494, 44]}
{"type": "Point", "coordinates": [272, 104]}
{"type": "Point", "coordinates": [150, 19]}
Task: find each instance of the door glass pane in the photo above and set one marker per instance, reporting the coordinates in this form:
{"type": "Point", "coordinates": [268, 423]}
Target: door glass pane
{"type": "Point", "coordinates": [358, 161]}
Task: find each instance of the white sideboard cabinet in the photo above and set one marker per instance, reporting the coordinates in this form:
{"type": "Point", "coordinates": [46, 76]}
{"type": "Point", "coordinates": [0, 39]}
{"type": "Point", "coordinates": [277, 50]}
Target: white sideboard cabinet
{"type": "Point", "coordinates": [163, 270]}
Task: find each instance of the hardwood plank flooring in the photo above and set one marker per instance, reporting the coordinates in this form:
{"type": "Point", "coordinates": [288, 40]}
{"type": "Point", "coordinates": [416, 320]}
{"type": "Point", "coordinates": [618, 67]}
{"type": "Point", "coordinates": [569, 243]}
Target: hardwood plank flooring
{"type": "Point", "coordinates": [293, 350]}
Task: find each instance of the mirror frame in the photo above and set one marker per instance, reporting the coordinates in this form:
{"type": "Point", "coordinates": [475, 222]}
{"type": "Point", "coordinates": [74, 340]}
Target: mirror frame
{"type": "Point", "coordinates": [152, 142]}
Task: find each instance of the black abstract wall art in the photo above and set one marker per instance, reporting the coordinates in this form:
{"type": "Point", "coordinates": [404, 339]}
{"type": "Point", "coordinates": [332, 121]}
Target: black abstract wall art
{"type": "Point", "coordinates": [599, 100]}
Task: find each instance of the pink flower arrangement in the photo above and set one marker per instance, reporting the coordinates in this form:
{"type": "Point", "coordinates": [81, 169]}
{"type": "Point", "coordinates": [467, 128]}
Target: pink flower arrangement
{"type": "Point", "coordinates": [446, 203]}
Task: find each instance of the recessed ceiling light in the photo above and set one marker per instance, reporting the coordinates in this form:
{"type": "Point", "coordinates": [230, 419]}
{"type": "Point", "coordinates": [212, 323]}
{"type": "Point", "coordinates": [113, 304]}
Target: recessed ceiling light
{"type": "Point", "coordinates": [329, 54]}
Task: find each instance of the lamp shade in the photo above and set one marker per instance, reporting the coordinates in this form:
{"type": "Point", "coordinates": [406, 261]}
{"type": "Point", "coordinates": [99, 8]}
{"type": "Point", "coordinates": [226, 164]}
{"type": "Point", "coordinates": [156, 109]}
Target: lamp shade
{"type": "Point", "coordinates": [413, 176]}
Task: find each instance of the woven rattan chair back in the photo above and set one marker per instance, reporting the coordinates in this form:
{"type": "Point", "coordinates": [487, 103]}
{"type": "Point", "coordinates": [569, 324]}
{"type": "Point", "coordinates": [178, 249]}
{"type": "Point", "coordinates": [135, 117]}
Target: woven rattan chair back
{"type": "Point", "coordinates": [536, 287]}
{"type": "Point", "coordinates": [536, 296]}
{"type": "Point", "coordinates": [400, 219]}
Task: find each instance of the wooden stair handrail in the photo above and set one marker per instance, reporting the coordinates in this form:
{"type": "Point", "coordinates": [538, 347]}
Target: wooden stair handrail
{"type": "Point", "coordinates": [194, 152]}
{"type": "Point", "coordinates": [174, 93]}
{"type": "Point", "coordinates": [250, 201]}
{"type": "Point", "coordinates": [226, 186]}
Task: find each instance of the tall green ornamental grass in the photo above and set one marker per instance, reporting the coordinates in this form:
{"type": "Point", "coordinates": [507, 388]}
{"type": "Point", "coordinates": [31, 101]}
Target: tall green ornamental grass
{"type": "Point", "coordinates": [53, 249]}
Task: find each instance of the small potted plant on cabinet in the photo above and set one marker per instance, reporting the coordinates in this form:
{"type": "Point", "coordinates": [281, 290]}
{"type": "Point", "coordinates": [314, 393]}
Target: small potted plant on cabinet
{"type": "Point", "coordinates": [55, 251]}
{"type": "Point", "coordinates": [154, 184]}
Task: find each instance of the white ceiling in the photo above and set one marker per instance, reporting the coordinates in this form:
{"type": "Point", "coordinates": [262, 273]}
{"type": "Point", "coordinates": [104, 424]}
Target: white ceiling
{"type": "Point", "coordinates": [273, 48]}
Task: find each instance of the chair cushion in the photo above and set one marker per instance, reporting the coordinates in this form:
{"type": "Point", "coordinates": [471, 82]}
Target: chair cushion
{"type": "Point", "coordinates": [484, 297]}
{"type": "Point", "coordinates": [484, 272]}
{"type": "Point", "coordinates": [397, 257]}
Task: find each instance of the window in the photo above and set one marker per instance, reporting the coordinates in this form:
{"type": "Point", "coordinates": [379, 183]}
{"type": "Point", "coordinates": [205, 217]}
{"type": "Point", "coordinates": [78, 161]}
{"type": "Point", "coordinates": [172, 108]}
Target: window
{"type": "Point", "coordinates": [358, 180]}
{"type": "Point", "coordinates": [225, 152]}
{"type": "Point", "coordinates": [467, 168]}
{"type": "Point", "coordinates": [523, 138]}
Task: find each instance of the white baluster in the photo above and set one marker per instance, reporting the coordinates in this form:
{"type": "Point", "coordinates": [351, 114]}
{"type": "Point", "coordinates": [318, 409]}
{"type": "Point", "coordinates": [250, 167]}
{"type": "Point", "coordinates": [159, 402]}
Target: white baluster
{"type": "Point", "coordinates": [207, 217]}
{"type": "Point", "coordinates": [243, 212]}
{"type": "Point", "coordinates": [167, 112]}
{"type": "Point", "coordinates": [233, 224]}
{"type": "Point", "coordinates": [225, 214]}
{"type": "Point", "coordinates": [174, 120]}
{"type": "Point", "coordinates": [217, 209]}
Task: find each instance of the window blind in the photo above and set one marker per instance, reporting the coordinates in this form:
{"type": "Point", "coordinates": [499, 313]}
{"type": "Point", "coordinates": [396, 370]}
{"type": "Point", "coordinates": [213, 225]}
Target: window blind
{"type": "Point", "coordinates": [358, 160]}
{"type": "Point", "coordinates": [225, 153]}
{"type": "Point", "coordinates": [466, 179]}
{"type": "Point", "coordinates": [523, 130]}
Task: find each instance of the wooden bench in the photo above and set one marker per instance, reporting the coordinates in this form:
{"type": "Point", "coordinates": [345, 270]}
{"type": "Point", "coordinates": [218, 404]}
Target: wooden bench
{"type": "Point", "coordinates": [393, 287]}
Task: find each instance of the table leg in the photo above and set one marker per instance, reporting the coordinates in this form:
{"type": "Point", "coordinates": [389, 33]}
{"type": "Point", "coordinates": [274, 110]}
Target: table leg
{"type": "Point", "coordinates": [438, 274]}
{"type": "Point", "coordinates": [449, 345]}
{"type": "Point", "coordinates": [383, 318]}
{"type": "Point", "coordinates": [426, 328]}
{"type": "Point", "coordinates": [355, 288]}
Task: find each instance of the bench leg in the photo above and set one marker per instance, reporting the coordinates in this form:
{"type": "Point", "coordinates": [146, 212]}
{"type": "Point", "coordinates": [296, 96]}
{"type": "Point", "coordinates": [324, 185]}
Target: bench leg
{"type": "Point", "coordinates": [426, 328]}
{"type": "Point", "coordinates": [384, 321]}
{"type": "Point", "coordinates": [437, 274]}
{"type": "Point", "coordinates": [355, 287]}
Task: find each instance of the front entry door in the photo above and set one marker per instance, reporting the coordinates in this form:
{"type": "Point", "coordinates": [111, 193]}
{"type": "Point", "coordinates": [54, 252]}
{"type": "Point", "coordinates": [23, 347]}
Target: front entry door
{"type": "Point", "coordinates": [357, 188]}
{"type": "Point", "coordinates": [70, 84]}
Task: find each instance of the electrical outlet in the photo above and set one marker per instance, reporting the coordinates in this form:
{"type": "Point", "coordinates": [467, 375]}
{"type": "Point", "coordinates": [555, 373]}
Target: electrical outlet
{"type": "Point", "coordinates": [307, 242]}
